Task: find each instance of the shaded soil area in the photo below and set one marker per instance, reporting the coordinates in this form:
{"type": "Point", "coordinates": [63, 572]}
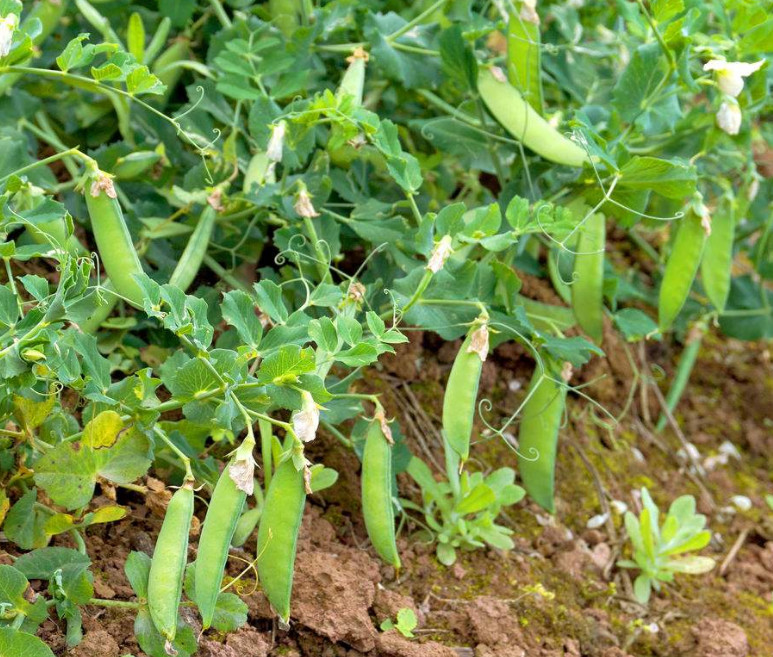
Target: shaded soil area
{"type": "Point", "coordinates": [558, 593]}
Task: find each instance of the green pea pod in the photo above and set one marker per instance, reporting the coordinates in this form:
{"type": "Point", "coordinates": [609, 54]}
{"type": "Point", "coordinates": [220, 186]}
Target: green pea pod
{"type": "Point", "coordinates": [462, 390]}
{"type": "Point", "coordinates": [114, 242]}
{"type": "Point", "coordinates": [717, 259]}
{"type": "Point", "coordinates": [158, 41]}
{"type": "Point", "coordinates": [170, 556]}
{"type": "Point", "coordinates": [259, 171]}
{"type": "Point", "coordinates": [134, 164]}
{"type": "Point", "coordinates": [524, 60]}
{"type": "Point", "coordinates": [682, 265]}
{"type": "Point", "coordinates": [246, 525]}
{"type": "Point", "coordinates": [190, 261]}
{"type": "Point", "coordinates": [223, 513]}
{"type": "Point", "coordinates": [353, 81]}
{"type": "Point", "coordinates": [377, 480]}
{"type": "Point", "coordinates": [278, 536]}
{"type": "Point", "coordinates": [538, 437]}
{"type": "Point", "coordinates": [518, 117]}
{"type": "Point", "coordinates": [588, 285]}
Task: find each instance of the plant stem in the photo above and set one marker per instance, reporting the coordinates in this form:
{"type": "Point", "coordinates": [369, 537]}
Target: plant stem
{"type": "Point", "coordinates": [186, 461]}
{"type": "Point", "coordinates": [220, 13]}
{"type": "Point", "coordinates": [266, 441]}
{"type": "Point", "coordinates": [123, 604]}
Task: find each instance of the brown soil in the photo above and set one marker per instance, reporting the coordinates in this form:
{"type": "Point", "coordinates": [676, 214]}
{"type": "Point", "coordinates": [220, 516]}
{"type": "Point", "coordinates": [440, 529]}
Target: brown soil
{"type": "Point", "coordinates": [558, 593]}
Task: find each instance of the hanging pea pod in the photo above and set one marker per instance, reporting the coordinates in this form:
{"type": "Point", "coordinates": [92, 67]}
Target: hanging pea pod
{"type": "Point", "coordinates": [218, 529]}
{"type": "Point", "coordinates": [259, 171]}
{"type": "Point", "coordinates": [462, 389]}
{"type": "Point", "coordinates": [538, 435]}
{"type": "Point", "coordinates": [377, 480]}
{"type": "Point", "coordinates": [278, 536]}
{"type": "Point", "coordinates": [516, 116]}
{"type": "Point", "coordinates": [190, 261]}
{"type": "Point", "coordinates": [524, 59]}
{"type": "Point", "coordinates": [134, 164]}
{"type": "Point", "coordinates": [170, 556]}
{"type": "Point", "coordinates": [717, 258]}
{"type": "Point", "coordinates": [588, 285]}
{"type": "Point", "coordinates": [114, 242]}
{"type": "Point", "coordinates": [353, 82]}
{"type": "Point", "coordinates": [681, 267]}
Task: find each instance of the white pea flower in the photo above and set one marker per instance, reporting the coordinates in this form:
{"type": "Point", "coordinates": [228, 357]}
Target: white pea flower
{"type": "Point", "coordinates": [8, 25]}
{"type": "Point", "coordinates": [479, 342]}
{"type": "Point", "coordinates": [440, 254]}
{"type": "Point", "coordinates": [729, 117]}
{"type": "Point", "coordinates": [705, 220]}
{"type": "Point", "coordinates": [730, 75]}
{"type": "Point", "coordinates": [529, 12]}
{"type": "Point", "coordinates": [102, 183]}
{"type": "Point", "coordinates": [303, 205]}
{"type": "Point", "coordinates": [276, 143]}
{"type": "Point", "coordinates": [306, 421]}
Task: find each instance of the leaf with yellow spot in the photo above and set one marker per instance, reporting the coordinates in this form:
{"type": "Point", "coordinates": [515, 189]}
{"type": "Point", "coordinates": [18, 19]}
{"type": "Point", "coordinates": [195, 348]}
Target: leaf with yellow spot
{"type": "Point", "coordinates": [103, 430]}
{"type": "Point", "coordinates": [32, 413]}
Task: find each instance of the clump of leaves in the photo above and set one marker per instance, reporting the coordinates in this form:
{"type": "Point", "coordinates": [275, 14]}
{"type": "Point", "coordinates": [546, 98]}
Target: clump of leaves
{"type": "Point", "coordinates": [461, 513]}
{"type": "Point", "coordinates": [405, 623]}
{"type": "Point", "coordinates": [657, 548]}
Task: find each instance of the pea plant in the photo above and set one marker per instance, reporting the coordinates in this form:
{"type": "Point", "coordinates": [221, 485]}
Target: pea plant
{"type": "Point", "coordinates": [211, 234]}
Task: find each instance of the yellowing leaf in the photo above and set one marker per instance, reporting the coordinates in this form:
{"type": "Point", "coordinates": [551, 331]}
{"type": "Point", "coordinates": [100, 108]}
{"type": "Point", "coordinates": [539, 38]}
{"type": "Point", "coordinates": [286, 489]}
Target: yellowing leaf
{"type": "Point", "coordinates": [107, 514]}
{"type": "Point", "coordinates": [32, 413]}
{"type": "Point", "coordinates": [5, 504]}
{"type": "Point", "coordinates": [103, 430]}
{"type": "Point", "coordinates": [59, 523]}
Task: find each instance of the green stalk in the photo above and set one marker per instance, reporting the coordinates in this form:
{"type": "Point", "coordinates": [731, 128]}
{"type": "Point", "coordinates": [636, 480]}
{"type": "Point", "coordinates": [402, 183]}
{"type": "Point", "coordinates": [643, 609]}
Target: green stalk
{"type": "Point", "coordinates": [683, 370]}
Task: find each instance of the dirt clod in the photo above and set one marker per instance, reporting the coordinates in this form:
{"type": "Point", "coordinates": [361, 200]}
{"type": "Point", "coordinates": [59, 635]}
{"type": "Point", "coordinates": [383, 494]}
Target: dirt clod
{"type": "Point", "coordinates": [715, 637]}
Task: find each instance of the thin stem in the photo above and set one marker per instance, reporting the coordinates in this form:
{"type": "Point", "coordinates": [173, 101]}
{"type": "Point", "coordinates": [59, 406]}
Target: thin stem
{"type": "Point", "coordinates": [186, 461]}
{"type": "Point", "coordinates": [266, 444]}
{"type": "Point", "coordinates": [39, 163]}
{"type": "Point", "coordinates": [79, 542]}
{"type": "Point", "coordinates": [338, 435]}
{"type": "Point", "coordinates": [414, 208]}
{"type": "Point", "coordinates": [123, 604]}
{"type": "Point", "coordinates": [220, 13]}
{"type": "Point", "coordinates": [415, 21]}
{"type": "Point", "coordinates": [224, 274]}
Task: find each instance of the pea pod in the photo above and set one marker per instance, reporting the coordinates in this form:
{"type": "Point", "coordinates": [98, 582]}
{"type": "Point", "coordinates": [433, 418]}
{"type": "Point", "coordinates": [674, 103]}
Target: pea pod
{"type": "Point", "coordinates": [223, 513]}
{"type": "Point", "coordinates": [190, 261]}
{"type": "Point", "coordinates": [588, 285]}
{"type": "Point", "coordinates": [523, 122]}
{"type": "Point", "coordinates": [259, 171]}
{"type": "Point", "coordinates": [134, 164]}
{"type": "Point", "coordinates": [682, 265]}
{"type": "Point", "coordinates": [718, 257]}
{"type": "Point", "coordinates": [524, 61]}
{"type": "Point", "coordinates": [169, 558]}
{"type": "Point", "coordinates": [538, 436]}
{"type": "Point", "coordinates": [462, 390]}
{"type": "Point", "coordinates": [377, 479]}
{"type": "Point", "coordinates": [114, 242]}
{"type": "Point", "coordinates": [246, 525]}
{"type": "Point", "coordinates": [353, 81]}
{"type": "Point", "coordinates": [278, 536]}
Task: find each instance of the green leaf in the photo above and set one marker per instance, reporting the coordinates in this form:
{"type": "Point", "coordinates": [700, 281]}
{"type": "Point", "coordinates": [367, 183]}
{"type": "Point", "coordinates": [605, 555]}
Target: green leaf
{"type": "Point", "coordinates": [239, 311]}
{"type": "Point", "coordinates": [137, 569]}
{"type": "Point", "coordinates": [69, 472]}
{"type": "Point", "coordinates": [638, 82]}
{"type": "Point", "coordinates": [14, 643]}
{"type": "Point", "coordinates": [286, 365]}
{"type": "Point", "coordinates": [24, 524]}
{"type": "Point", "coordinates": [635, 324]}
{"type": "Point", "coordinates": [44, 562]}
{"type": "Point", "coordinates": [478, 499]}
{"type": "Point", "coordinates": [230, 613]}
{"type": "Point", "coordinates": [270, 301]}
{"type": "Point", "coordinates": [675, 180]}
{"type": "Point", "coordinates": [459, 62]}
